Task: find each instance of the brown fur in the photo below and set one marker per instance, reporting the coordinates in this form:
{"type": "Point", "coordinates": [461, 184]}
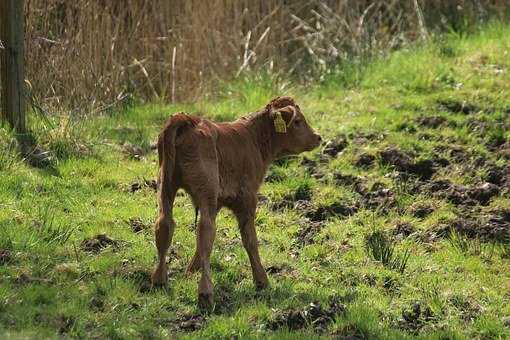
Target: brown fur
{"type": "Point", "coordinates": [222, 165]}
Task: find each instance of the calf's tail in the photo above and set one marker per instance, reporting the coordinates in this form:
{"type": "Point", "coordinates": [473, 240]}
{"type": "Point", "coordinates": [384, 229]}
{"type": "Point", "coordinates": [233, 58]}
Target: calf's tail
{"type": "Point", "coordinates": [166, 155]}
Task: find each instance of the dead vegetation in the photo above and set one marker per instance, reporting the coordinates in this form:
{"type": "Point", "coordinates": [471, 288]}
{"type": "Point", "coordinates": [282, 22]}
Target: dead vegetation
{"type": "Point", "coordinates": [96, 54]}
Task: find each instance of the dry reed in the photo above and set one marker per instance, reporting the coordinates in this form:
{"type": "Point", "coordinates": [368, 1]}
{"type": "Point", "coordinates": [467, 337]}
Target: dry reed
{"type": "Point", "coordinates": [85, 53]}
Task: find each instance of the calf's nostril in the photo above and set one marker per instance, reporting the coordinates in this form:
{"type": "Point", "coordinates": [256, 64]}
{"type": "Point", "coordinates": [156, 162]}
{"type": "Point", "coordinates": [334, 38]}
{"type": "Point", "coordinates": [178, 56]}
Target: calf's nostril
{"type": "Point", "coordinates": [319, 138]}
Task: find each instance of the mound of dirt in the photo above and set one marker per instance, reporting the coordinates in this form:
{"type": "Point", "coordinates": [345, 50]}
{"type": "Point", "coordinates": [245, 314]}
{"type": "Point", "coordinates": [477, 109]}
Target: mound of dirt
{"type": "Point", "coordinates": [403, 230]}
{"type": "Point", "coordinates": [379, 198]}
{"type": "Point", "coordinates": [335, 146]}
{"type": "Point", "coordinates": [365, 160]}
{"type": "Point", "coordinates": [279, 270]}
{"type": "Point", "coordinates": [454, 106]}
{"type": "Point", "coordinates": [140, 277]}
{"type": "Point", "coordinates": [499, 176]}
{"type": "Point", "coordinates": [416, 317]}
{"type": "Point", "coordinates": [361, 138]}
{"type": "Point", "coordinates": [24, 279]}
{"type": "Point", "coordinates": [307, 232]}
{"type": "Point", "coordinates": [146, 183]}
{"type": "Point", "coordinates": [5, 256]}
{"type": "Point", "coordinates": [463, 195]}
{"type": "Point", "coordinates": [493, 227]}
{"type": "Point", "coordinates": [421, 210]}
{"type": "Point", "coordinates": [355, 181]}
{"type": "Point", "coordinates": [138, 225]}
{"type": "Point", "coordinates": [133, 151]}
{"type": "Point", "coordinates": [432, 122]}
{"type": "Point", "coordinates": [404, 162]}
{"type": "Point", "coordinates": [314, 315]}
{"type": "Point", "coordinates": [323, 212]}
{"type": "Point", "coordinates": [190, 322]}
{"type": "Point", "coordinates": [97, 243]}
{"type": "Point", "coordinates": [309, 164]}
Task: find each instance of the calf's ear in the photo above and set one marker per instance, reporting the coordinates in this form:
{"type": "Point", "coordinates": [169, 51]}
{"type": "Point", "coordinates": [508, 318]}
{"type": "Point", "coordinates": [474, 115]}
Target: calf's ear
{"type": "Point", "coordinates": [288, 113]}
{"type": "Point", "coordinates": [283, 118]}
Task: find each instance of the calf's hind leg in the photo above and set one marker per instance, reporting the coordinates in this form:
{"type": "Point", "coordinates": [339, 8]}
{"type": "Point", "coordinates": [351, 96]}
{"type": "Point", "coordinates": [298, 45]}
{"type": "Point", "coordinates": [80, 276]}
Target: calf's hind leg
{"type": "Point", "coordinates": [205, 239]}
{"type": "Point", "coordinates": [165, 226]}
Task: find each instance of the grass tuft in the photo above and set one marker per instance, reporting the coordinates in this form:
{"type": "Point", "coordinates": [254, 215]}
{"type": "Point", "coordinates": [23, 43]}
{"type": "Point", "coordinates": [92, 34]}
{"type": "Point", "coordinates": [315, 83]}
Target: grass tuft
{"type": "Point", "coordinates": [381, 248]}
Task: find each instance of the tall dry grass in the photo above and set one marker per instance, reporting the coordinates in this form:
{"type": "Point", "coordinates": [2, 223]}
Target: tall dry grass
{"type": "Point", "coordinates": [84, 54]}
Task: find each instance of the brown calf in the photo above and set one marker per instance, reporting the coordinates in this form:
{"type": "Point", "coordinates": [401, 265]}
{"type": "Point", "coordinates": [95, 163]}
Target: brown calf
{"type": "Point", "coordinates": [223, 165]}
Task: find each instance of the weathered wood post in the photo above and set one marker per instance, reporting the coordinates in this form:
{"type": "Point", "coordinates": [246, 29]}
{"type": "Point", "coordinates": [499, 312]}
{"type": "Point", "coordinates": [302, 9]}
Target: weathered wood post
{"type": "Point", "coordinates": [12, 65]}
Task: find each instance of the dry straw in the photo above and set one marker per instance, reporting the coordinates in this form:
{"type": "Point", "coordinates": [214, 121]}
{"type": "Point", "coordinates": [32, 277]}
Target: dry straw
{"type": "Point", "coordinates": [88, 54]}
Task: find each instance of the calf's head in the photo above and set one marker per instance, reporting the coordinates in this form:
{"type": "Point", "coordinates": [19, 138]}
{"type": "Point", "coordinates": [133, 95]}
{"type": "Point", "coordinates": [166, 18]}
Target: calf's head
{"type": "Point", "coordinates": [293, 135]}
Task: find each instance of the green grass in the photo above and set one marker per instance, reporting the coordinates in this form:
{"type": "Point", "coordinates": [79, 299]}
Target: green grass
{"type": "Point", "coordinates": [451, 286]}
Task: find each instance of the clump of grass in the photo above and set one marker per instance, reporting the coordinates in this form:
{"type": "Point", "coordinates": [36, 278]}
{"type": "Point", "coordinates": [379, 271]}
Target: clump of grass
{"type": "Point", "coordinates": [64, 139]}
{"type": "Point", "coordinates": [459, 243]}
{"type": "Point", "coordinates": [49, 230]}
{"type": "Point", "coordinates": [7, 151]}
{"type": "Point", "coordinates": [381, 248]}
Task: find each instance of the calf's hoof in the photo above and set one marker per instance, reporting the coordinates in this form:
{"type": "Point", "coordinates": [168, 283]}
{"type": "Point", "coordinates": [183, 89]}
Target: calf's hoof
{"type": "Point", "coordinates": [159, 277]}
{"type": "Point", "coordinates": [206, 301]}
{"type": "Point", "coordinates": [262, 284]}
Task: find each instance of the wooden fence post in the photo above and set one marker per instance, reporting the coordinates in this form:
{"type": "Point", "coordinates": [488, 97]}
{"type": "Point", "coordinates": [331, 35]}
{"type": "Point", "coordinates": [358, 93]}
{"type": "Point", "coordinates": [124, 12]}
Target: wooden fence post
{"type": "Point", "coordinates": [12, 64]}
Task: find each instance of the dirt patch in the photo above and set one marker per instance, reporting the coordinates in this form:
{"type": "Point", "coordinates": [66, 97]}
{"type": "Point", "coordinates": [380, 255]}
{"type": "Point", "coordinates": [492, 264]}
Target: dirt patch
{"type": "Point", "coordinates": [403, 230]}
{"type": "Point", "coordinates": [502, 149]}
{"type": "Point", "coordinates": [493, 227]}
{"type": "Point", "coordinates": [140, 277]}
{"type": "Point", "coordinates": [133, 151]}
{"type": "Point", "coordinates": [146, 183]}
{"type": "Point", "coordinates": [307, 232]}
{"type": "Point", "coordinates": [463, 195]}
{"type": "Point", "coordinates": [432, 122]}
{"type": "Point", "coordinates": [281, 204]}
{"type": "Point", "coordinates": [65, 323]}
{"type": "Point", "coordinates": [349, 180]}
{"type": "Point", "coordinates": [468, 309]}
{"type": "Point", "coordinates": [314, 315]}
{"type": "Point", "coordinates": [379, 198]}
{"type": "Point", "coordinates": [361, 138]}
{"type": "Point", "coordinates": [479, 126]}
{"type": "Point", "coordinates": [401, 160]}
{"type": "Point", "coordinates": [24, 279]}
{"type": "Point", "coordinates": [404, 162]}
{"type": "Point", "coordinates": [365, 160]}
{"type": "Point", "coordinates": [421, 210]}
{"type": "Point", "coordinates": [262, 199]}
{"type": "Point", "coordinates": [424, 168]}
{"type": "Point", "coordinates": [138, 225]}
{"type": "Point", "coordinates": [5, 256]}
{"type": "Point", "coordinates": [499, 176]}
{"type": "Point", "coordinates": [98, 243]}
{"type": "Point", "coordinates": [299, 196]}
{"type": "Point", "coordinates": [280, 270]}
{"type": "Point", "coordinates": [483, 192]}
{"type": "Point", "coordinates": [454, 106]}
{"type": "Point", "coordinates": [415, 318]}
{"type": "Point", "coordinates": [335, 146]}
{"type": "Point", "coordinates": [275, 174]}
{"type": "Point", "coordinates": [190, 323]}
{"type": "Point", "coordinates": [323, 212]}
{"type": "Point", "coordinates": [312, 168]}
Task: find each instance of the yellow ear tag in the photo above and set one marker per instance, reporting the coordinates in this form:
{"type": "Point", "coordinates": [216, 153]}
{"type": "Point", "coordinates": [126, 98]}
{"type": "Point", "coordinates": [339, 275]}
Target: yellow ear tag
{"type": "Point", "coordinates": [279, 124]}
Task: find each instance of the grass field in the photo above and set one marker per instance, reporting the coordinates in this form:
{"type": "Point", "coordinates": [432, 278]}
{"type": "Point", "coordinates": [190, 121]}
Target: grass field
{"type": "Point", "coordinates": [399, 227]}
